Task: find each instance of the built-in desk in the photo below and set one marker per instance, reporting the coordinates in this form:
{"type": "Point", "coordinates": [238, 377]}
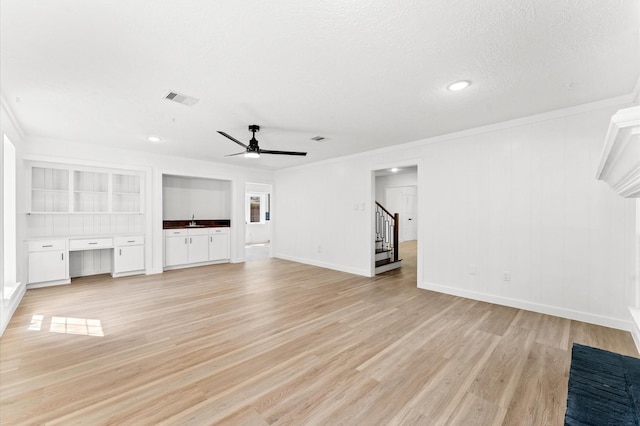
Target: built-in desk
{"type": "Point", "coordinates": [49, 260]}
{"type": "Point", "coordinates": [90, 243]}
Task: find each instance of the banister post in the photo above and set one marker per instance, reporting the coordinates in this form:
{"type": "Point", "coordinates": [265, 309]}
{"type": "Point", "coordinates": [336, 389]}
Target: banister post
{"type": "Point", "coordinates": [396, 219]}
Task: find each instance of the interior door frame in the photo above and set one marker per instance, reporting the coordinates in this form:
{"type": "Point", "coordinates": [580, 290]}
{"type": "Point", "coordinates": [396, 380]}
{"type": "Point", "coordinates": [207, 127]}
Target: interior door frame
{"type": "Point", "coordinates": [268, 192]}
{"type": "Point", "coordinates": [420, 207]}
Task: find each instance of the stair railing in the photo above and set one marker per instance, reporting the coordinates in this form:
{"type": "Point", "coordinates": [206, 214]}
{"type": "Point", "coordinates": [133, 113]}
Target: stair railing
{"type": "Point", "coordinates": [387, 230]}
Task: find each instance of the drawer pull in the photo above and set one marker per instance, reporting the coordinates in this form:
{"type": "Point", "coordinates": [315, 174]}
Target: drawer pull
{"type": "Point", "coordinates": [92, 243]}
{"type": "Point", "coordinates": [132, 241]}
{"type": "Point", "coordinates": [48, 245]}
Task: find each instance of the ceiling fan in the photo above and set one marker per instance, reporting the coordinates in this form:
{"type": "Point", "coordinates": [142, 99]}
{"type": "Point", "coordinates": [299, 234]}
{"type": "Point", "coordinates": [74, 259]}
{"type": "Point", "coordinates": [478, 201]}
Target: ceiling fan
{"type": "Point", "coordinates": [253, 150]}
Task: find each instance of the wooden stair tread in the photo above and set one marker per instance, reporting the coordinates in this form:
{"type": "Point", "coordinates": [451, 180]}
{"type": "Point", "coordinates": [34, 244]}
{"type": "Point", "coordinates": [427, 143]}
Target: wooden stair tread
{"type": "Point", "coordinates": [383, 250]}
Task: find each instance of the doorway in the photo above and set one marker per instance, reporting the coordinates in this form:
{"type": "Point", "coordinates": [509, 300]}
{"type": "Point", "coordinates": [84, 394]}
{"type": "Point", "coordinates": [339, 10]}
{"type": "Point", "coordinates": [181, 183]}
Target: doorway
{"type": "Point", "coordinates": [396, 189]}
{"type": "Point", "coordinates": [257, 221]}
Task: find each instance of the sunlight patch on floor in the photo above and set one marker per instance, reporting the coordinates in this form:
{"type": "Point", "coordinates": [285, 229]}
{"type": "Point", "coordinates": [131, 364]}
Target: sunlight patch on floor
{"type": "Point", "coordinates": [68, 325]}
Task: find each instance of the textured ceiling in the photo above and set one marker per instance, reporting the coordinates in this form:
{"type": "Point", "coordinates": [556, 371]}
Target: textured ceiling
{"type": "Point", "coordinates": [363, 74]}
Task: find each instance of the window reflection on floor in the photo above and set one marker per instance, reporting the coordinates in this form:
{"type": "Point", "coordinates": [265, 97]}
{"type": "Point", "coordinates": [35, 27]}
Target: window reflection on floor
{"type": "Point", "coordinates": [36, 322]}
{"type": "Point", "coordinates": [68, 325]}
{"type": "Point", "coordinates": [256, 251]}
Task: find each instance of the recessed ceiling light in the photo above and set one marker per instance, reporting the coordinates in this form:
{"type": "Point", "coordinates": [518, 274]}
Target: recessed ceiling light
{"type": "Point", "coordinates": [459, 85]}
{"type": "Point", "coordinates": [395, 169]}
{"type": "Point", "coordinates": [153, 139]}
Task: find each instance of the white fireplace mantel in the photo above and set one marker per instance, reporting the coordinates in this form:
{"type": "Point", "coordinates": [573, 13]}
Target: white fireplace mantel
{"type": "Point", "coordinates": [620, 159]}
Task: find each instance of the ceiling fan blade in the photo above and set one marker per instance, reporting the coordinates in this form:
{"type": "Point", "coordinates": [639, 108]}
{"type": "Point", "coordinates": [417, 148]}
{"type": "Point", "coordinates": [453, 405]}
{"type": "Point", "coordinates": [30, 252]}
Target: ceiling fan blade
{"type": "Point", "coordinates": [232, 138]}
{"type": "Point", "coordinates": [239, 153]}
{"type": "Point", "coordinates": [266, 151]}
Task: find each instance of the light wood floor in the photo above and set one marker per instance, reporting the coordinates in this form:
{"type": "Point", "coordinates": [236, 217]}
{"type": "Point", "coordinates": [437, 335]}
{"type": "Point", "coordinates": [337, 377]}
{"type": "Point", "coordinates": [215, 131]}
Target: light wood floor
{"type": "Point", "coordinates": [276, 342]}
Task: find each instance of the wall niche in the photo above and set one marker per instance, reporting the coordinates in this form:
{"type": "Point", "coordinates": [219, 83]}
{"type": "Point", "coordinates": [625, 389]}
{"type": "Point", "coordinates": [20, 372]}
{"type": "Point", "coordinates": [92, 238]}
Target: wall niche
{"type": "Point", "coordinates": [184, 197]}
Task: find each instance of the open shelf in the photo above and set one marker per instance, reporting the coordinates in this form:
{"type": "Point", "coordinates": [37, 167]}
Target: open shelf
{"type": "Point", "coordinates": [68, 190]}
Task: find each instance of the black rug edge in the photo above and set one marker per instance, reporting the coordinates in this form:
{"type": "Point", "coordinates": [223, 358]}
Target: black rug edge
{"type": "Point", "coordinates": [603, 388]}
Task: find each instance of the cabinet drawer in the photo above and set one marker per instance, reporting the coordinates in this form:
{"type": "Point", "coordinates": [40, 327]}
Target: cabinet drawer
{"type": "Point", "coordinates": [175, 232]}
{"type": "Point", "coordinates": [47, 245]}
{"type": "Point", "coordinates": [129, 241]}
{"type": "Point", "coordinates": [214, 231]}
{"type": "Point", "coordinates": [198, 231]}
{"type": "Point", "coordinates": [89, 244]}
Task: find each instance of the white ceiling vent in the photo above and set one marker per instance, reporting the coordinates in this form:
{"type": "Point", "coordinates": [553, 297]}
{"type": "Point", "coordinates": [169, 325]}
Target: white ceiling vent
{"type": "Point", "coordinates": [180, 98]}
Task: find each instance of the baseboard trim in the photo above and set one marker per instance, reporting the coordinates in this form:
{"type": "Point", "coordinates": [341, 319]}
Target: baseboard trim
{"type": "Point", "coordinates": [48, 284]}
{"type": "Point", "coordinates": [195, 265]}
{"type": "Point", "coordinates": [530, 306]}
{"type": "Point", "coordinates": [340, 268]}
{"type": "Point", "coordinates": [635, 326]}
{"type": "Point", "coordinates": [8, 312]}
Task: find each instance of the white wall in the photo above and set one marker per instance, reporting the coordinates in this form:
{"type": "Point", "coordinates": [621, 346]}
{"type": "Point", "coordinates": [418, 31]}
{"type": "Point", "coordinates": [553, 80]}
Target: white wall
{"type": "Point", "coordinates": [207, 199]}
{"type": "Point", "coordinates": [9, 127]}
{"type": "Point", "coordinates": [322, 213]}
{"type": "Point", "coordinates": [517, 197]}
{"type": "Point", "coordinates": [400, 179]}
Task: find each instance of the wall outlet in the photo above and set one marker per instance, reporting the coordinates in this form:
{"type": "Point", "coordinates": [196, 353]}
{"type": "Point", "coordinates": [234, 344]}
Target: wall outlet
{"type": "Point", "coordinates": [506, 276]}
{"type": "Point", "coordinates": [319, 249]}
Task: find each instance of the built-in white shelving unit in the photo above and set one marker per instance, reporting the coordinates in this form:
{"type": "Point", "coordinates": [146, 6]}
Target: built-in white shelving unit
{"type": "Point", "coordinates": [66, 190]}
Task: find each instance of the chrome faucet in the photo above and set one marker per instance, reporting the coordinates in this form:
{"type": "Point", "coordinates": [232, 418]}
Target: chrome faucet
{"type": "Point", "coordinates": [193, 222]}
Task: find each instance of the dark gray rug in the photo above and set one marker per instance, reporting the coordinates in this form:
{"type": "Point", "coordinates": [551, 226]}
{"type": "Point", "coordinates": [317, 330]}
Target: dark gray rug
{"type": "Point", "coordinates": [604, 388]}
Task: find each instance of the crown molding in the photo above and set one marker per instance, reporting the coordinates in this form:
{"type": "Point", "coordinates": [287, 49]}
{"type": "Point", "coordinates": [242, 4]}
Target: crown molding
{"type": "Point", "coordinates": [620, 158]}
{"type": "Point", "coordinates": [619, 101]}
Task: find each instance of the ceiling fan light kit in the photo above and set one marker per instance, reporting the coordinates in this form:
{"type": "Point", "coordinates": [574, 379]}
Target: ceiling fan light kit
{"type": "Point", "coordinates": [253, 150]}
{"type": "Point", "coordinates": [252, 153]}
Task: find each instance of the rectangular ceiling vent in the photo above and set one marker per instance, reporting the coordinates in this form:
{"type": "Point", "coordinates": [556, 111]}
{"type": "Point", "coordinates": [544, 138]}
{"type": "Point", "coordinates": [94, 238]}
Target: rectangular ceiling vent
{"type": "Point", "coordinates": [180, 98]}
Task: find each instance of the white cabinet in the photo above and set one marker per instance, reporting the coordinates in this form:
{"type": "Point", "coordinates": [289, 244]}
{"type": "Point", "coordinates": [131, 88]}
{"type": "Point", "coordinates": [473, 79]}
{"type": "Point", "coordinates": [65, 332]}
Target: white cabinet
{"type": "Point", "coordinates": [218, 243]}
{"type": "Point", "coordinates": [47, 261]}
{"type": "Point", "coordinates": [196, 245]}
{"type": "Point", "coordinates": [128, 255]}
{"type": "Point", "coordinates": [176, 247]}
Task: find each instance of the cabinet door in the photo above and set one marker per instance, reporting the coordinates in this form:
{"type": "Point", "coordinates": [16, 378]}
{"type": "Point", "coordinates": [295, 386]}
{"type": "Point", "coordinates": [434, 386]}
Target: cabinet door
{"type": "Point", "coordinates": [218, 247]}
{"type": "Point", "coordinates": [176, 251]}
{"type": "Point", "coordinates": [47, 266]}
{"type": "Point", "coordinates": [128, 258]}
{"type": "Point", "coordinates": [198, 248]}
